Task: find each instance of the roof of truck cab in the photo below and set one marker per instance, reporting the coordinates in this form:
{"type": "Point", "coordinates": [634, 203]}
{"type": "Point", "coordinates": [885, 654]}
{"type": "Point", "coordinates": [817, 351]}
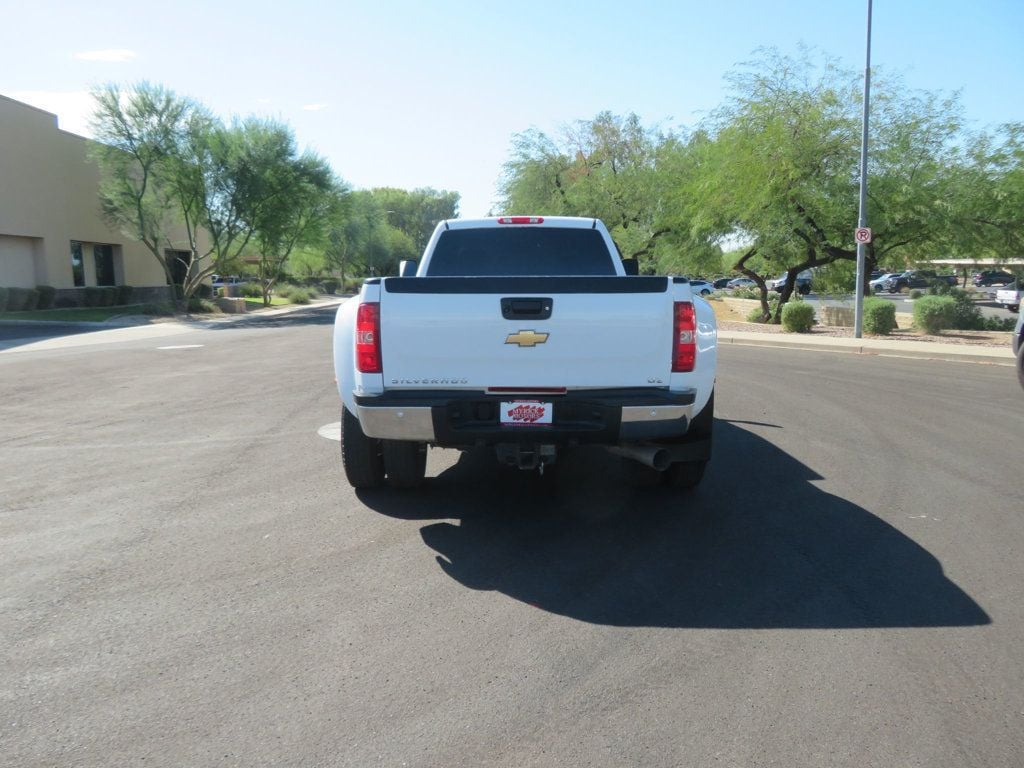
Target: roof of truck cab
{"type": "Point", "coordinates": [576, 222]}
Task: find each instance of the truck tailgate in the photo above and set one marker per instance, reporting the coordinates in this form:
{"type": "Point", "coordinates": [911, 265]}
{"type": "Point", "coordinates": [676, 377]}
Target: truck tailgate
{"type": "Point", "coordinates": [525, 332]}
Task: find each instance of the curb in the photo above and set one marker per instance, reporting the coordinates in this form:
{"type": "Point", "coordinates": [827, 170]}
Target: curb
{"type": "Point", "coordinates": [922, 350]}
{"type": "Point", "coordinates": [123, 322]}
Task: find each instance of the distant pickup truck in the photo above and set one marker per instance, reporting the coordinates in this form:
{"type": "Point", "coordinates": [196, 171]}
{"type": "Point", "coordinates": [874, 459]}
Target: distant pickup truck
{"type": "Point", "coordinates": [917, 278]}
{"type": "Point", "coordinates": [1010, 296]}
{"type": "Point", "coordinates": [525, 334]}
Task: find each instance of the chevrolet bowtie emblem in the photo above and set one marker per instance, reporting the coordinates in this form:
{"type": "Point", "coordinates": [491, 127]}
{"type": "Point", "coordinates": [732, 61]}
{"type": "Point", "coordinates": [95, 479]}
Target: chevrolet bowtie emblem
{"type": "Point", "coordinates": [526, 338]}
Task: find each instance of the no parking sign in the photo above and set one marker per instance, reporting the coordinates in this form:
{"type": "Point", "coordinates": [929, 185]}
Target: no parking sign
{"type": "Point", "coordinates": [862, 235]}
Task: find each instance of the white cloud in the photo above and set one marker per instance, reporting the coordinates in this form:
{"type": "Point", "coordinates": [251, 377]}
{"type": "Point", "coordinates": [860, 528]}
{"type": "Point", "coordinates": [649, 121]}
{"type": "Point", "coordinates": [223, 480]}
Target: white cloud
{"type": "Point", "coordinates": [314, 107]}
{"type": "Point", "coordinates": [114, 55]}
{"type": "Point", "coordinates": [73, 108]}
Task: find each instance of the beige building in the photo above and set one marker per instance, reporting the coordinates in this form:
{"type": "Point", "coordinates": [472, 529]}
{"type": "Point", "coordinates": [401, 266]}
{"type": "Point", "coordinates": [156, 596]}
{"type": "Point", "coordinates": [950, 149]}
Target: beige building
{"type": "Point", "coordinates": [51, 230]}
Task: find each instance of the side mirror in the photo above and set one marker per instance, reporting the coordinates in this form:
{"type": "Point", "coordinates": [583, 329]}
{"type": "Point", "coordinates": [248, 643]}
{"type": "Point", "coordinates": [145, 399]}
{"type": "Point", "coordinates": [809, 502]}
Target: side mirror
{"type": "Point", "coordinates": [407, 268]}
{"type": "Point", "coordinates": [632, 266]}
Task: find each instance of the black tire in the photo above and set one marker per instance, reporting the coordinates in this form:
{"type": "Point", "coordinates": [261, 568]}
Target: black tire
{"type": "Point", "coordinates": [1020, 363]}
{"type": "Point", "coordinates": [1014, 308]}
{"type": "Point", "coordinates": [686, 475]}
{"type": "Point", "coordinates": [405, 462]}
{"type": "Point", "coordinates": [360, 455]}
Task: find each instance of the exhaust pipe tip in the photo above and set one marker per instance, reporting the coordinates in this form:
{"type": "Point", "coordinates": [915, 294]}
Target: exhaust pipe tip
{"type": "Point", "coordinates": [651, 456]}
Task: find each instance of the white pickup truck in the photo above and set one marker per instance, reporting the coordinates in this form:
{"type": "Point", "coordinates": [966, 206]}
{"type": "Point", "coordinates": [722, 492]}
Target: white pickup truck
{"type": "Point", "coordinates": [1010, 296]}
{"type": "Point", "coordinates": [524, 334]}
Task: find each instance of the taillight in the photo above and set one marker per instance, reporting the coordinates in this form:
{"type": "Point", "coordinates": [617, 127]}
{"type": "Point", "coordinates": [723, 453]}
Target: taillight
{"type": "Point", "coordinates": [521, 220]}
{"type": "Point", "coordinates": [368, 338]}
{"type": "Point", "coordinates": [684, 348]}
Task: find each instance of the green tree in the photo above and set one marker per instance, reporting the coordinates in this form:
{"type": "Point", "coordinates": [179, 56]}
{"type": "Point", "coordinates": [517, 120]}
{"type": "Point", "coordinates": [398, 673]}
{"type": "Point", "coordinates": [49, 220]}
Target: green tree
{"type": "Point", "coordinates": [615, 169]}
{"type": "Point", "coordinates": [780, 166]}
{"type": "Point", "coordinates": [302, 192]}
{"type": "Point", "coordinates": [416, 213]}
{"type": "Point", "coordinates": [147, 190]}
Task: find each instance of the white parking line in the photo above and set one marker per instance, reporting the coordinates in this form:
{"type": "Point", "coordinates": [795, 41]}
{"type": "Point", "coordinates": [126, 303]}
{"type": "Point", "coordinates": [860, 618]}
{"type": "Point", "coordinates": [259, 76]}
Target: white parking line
{"type": "Point", "coordinates": [331, 431]}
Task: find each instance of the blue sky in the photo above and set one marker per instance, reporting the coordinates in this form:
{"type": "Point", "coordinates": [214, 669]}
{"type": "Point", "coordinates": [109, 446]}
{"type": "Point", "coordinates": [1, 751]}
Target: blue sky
{"type": "Point", "coordinates": [411, 94]}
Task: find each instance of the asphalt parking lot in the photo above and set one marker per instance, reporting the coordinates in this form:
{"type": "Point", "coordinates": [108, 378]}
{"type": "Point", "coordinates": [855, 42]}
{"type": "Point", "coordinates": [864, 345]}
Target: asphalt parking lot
{"type": "Point", "coordinates": [189, 581]}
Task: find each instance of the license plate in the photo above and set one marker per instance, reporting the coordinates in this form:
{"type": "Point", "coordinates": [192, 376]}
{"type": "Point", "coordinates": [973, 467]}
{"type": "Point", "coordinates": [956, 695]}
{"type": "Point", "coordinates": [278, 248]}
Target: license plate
{"type": "Point", "coordinates": [526, 413]}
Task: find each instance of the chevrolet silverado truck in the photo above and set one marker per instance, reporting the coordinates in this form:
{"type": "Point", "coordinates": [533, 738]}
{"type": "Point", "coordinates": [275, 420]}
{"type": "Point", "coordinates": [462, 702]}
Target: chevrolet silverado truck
{"type": "Point", "coordinates": [527, 336]}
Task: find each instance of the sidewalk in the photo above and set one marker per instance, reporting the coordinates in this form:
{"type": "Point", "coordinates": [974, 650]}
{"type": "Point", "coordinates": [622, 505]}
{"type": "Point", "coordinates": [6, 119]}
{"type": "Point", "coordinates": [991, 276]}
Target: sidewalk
{"type": "Point", "coordinates": [928, 350]}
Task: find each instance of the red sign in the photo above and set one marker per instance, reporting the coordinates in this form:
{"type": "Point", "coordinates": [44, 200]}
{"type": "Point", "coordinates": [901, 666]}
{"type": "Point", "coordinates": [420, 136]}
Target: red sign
{"type": "Point", "coordinates": [862, 235]}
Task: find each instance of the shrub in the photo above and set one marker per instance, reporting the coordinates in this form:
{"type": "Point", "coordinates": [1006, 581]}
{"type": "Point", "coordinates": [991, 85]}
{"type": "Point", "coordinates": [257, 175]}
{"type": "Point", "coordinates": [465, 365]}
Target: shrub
{"type": "Point", "coordinates": [198, 304]}
{"type": "Point", "coordinates": [250, 290]}
{"type": "Point", "coordinates": [109, 296]}
{"type": "Point", "coordinates": [285, 290]}
{"type": "Point", "coordinates": [879, 316]}
{"type": "Point", "coordinates": [300, 296]}
{"type": "Point", "coordinates": [16, 298]}
{"type": "Point", "coordinates": [966, 316]}
{"type": "Point", "coordinates": [124, 295]}
{"type": "Point", "coordinates": [746, 293]}
{"type": "Point", "coordinates": [31, 299]}
{"type": "Point", "coordinates": [329, 286]}
{"type": "Point", "coordinates": [93, 296]}
{"type": "Point", "coordinates": [916, 294]}
{"type": "Point", "coordinates": [159, 309]}
{"type": "Point", "coordinates": [47, 294]}
{"type": "Point", "coordinates": [932, 314]}
{"type": "Point", "coordinates": [797, 317]}
{"type": "Point", "coordinates": [999, 324]}
{"type": "Point", "coordinates": [204, 291]}
{"type": "Point", "coordinates": [3, 299]}
{"type": "Point", "coordinates": [939, 288]}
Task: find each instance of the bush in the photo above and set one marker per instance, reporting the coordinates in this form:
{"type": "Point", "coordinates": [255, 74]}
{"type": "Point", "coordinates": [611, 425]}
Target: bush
{"type": "Point", "coordinates": [158, 309]}
{"type": "Point", "coordinates": [797, 317]}
{"type": "Point", "coordinates": [109, 296]}
{"type": "Point", "coordinates": [124, 295]}
{"type": "Point", "coordinates": [198, 304]}
{"type": "Point", "coordinates": [879, 316]}
{"type": "Point", "coordinates": [250, 290]}
{"type": "Point", "coordinates": [300, 296]}
{"type": "Point", "coordinates": [93, 296]}
{"type": "Point", "coordinates": [939, 288]}
{"type": "Point", "coordinates": [47, 294]}
{"type": "Point", "coordinates": [916, 294]}
{"type": "Point", "coordinates": [999, 324]}
{"type": "Point", "coordinates": [285, 290]}
{"type": "Point", "coordinates": [933, 314]}
{"type": "Point", "coordinates": [746, 293]}
{"type": "Point", "coordinates": [329, 286]}
{"type": "Point", "coordinates": [3, 299]}
{"type": "Point", "coordinates": [966, 316]}
{"type": "Point", "coordinates": [21, 299]}
{"type": "Point", "coordinates": [204, 291]}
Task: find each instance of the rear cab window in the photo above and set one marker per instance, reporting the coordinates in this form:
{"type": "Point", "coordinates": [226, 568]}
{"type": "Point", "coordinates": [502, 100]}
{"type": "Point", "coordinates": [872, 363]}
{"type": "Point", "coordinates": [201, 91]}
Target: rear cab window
{"type": "Point", "coordinates": [520, 252]}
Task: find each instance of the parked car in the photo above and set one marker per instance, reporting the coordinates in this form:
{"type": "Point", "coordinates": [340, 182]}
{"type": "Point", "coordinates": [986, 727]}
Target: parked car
{"type": "Point", "coordinates": [1010, 296]}
{"type": "Point", "coordinates": [802, 285]}
{"type": "Point", "coordinates": [721, 283]}
{"type": "Point", "coordinates": [702, 287]}
{"type": "Point", "coordinates": [878, 283]}
{"type": "Point", "coordinates": [992, 277]}
{"type": "Point", "coordinates": [741, 282]}
{"type": "Point", "coordinates": [916, 278]}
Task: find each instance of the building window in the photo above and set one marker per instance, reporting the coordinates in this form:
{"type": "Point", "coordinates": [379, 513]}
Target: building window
{"type": "Point", "coordinates": [77, 266]}
{"type": "Point", "coordinates": [104, 258]}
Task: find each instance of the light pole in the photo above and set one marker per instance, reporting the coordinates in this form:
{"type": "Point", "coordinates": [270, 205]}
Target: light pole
{"type": "Point", "coordinates": [862, 215]}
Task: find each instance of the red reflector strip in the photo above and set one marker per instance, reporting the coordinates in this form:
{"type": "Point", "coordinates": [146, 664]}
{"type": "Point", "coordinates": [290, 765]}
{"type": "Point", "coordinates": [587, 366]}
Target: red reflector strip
{"type": "Point", "coordinates": [684, 347]}
{"type": "Point", "coordinates": [527, 390]}
{"type": "Point", "coordinates": [368, 338]}
{"type": "Point", "coordinates": [521, 220]}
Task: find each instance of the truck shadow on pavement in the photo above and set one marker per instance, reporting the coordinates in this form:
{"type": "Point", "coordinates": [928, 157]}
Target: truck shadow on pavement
{"type": "Point", "coordinates": [761, 549]}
